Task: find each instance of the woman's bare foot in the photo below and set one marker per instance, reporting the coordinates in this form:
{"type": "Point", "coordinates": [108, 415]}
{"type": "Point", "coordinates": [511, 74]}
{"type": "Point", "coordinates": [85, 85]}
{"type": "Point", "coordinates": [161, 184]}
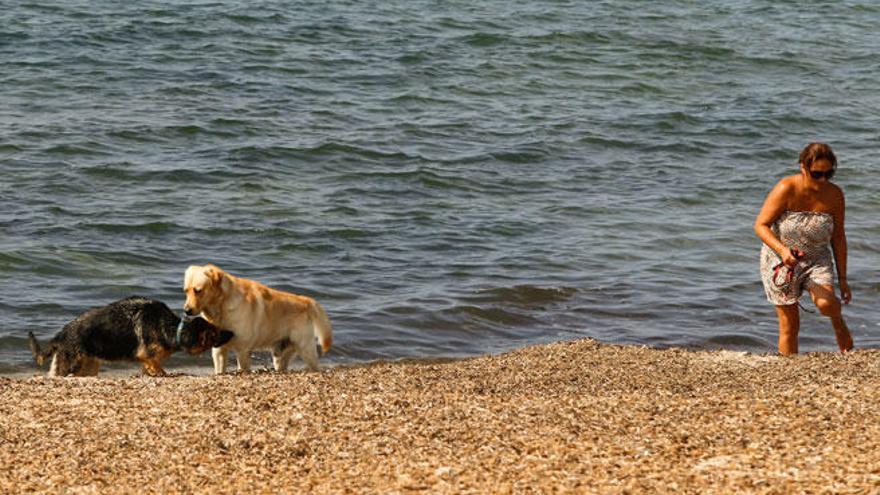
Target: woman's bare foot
{"type": "Point", "coordinates": [844, 340]}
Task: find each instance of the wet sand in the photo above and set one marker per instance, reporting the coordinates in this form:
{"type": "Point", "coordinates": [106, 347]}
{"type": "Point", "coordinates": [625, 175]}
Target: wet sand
{"type": "Point", "coordinates": [567, 417]}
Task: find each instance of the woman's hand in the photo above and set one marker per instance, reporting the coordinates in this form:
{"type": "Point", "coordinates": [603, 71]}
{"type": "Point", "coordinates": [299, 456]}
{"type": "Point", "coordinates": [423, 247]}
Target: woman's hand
{"type": "Point", "coordinates": [790, 256]}
{"type": "Point", "coordinates": [845, 293]}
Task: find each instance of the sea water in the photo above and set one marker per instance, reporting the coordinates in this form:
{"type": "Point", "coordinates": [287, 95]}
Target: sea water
{"type": "Point", "coordinates": [447, 178]}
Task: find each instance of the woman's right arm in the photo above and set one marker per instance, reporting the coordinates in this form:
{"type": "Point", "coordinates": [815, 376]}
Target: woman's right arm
{"type": "Point", "coordinates": [775, 205]}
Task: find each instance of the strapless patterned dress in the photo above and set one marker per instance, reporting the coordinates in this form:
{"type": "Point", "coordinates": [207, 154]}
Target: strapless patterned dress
{"type": "Point", "coordinates": [810, 232]}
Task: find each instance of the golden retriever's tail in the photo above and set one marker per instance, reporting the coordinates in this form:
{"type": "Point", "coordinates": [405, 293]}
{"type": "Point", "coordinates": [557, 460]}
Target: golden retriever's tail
{"type": "Point", "coordinates": [322, 327]}
{"type": "Point", "coordinates": [40, 355]}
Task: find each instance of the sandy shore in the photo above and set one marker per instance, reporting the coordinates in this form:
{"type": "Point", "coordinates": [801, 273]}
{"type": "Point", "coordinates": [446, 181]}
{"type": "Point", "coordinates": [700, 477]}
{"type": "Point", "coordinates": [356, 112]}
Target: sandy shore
{"type": "Point", "coordinates": [577, 416]}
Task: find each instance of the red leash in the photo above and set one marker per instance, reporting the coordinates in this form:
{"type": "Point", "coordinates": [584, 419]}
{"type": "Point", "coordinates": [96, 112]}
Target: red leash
{"type": "Point", "coordinates": [798, 254]}
{"type": "Point", "coordinates": [789, 274]}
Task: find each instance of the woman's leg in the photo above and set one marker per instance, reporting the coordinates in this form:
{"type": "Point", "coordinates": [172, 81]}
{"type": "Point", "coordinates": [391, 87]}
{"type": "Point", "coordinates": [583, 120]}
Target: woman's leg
{"type": "Point", "coordinates": [789, 325]}
{"type": "Point", "coordinates": [828, 304]}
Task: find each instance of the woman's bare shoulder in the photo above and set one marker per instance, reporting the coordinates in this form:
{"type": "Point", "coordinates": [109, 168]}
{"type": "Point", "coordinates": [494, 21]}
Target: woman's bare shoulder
{"type": "Point", "coordinates": [835, 189]}
{"type": "Point", "coordinates": [836, 195]}
{"type": "Point", "coordinates": [786, 185]}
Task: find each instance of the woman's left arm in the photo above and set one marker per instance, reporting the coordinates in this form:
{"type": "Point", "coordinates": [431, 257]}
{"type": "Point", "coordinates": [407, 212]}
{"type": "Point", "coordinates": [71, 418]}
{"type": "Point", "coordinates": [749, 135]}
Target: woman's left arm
{"type": "Point", "coordinates": [838, 244]}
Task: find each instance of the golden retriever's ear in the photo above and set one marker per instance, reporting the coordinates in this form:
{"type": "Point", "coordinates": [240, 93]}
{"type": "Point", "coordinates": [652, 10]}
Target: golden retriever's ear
{"type": "Point", "coordinates": [214, 274]}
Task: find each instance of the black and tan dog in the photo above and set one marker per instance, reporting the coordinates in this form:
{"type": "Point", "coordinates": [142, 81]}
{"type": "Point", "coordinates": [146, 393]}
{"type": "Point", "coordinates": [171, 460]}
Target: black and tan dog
{"type": "Point", "coordinates": [133, 329]}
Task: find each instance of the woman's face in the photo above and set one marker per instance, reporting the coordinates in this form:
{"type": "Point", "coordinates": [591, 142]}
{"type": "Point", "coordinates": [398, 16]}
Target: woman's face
{"type": "Point", "coordinates": [820, 172]}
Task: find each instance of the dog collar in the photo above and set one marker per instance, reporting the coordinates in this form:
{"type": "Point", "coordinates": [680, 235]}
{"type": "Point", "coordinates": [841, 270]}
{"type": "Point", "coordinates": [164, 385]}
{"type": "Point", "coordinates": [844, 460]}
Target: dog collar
{"type": "Point", "coordinates": [179, 330]}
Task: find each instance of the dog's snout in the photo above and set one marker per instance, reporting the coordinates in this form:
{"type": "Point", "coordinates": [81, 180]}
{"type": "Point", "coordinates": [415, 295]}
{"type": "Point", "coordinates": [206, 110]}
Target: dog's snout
{"type": "Point", "coordinates": [188, 310]}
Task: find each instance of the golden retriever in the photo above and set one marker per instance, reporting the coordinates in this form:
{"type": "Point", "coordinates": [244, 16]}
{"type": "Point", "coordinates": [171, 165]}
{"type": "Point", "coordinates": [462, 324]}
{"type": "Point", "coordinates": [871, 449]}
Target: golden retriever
{"type": "Point", "coordinates": [260, 318]}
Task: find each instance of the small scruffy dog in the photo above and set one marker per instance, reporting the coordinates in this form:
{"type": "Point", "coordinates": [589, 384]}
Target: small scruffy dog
{"type": "Point", "coordinates": [133, 329]}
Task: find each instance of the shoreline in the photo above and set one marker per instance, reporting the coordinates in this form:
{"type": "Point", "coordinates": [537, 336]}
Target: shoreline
{"type": "Point", "coordinates": [132, 370]}
{"type": "Point", "coordinates": [570, 416]}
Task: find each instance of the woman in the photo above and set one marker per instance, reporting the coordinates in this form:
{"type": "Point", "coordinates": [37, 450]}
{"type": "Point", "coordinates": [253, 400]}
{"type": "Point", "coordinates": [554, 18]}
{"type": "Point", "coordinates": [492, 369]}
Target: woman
{"type": "Point", "coordinates": [801, 216]}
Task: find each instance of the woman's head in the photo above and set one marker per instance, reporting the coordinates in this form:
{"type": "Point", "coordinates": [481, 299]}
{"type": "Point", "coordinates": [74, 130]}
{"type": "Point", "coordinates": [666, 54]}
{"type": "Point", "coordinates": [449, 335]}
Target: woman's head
{"type": "Point", "coordinates": [816, 154]}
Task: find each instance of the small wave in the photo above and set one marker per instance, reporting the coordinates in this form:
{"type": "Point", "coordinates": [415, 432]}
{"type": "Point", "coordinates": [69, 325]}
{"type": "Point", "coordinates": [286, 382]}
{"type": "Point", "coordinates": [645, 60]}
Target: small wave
{"type": "Point", "coordinates": [602, 142]}
{"type": "Point", "coordinates": [137, 136]}
{"type": "Point", "coordinates": [267, 153]}
{"type": "Point", "coordinates": [324, 151]}
{"type": "Point", "coordinates": [416, 98]}
{"type": "Point", "coordinates": [579, 211]}
{"type": "Point", "coordinates": [87, 149]}
{"type": "Point", "coordinates": [130, 173]}
{"type": "Point", "coordinates": [13, 37]}
{"type": "Point", "coordinates": [524, 295]}
{"type": "Point", "coordinates": [415, 57]}
{"type": "Point", "coordinates": [279, 69]}
{"type": "Point", "coordinates": [11, 259]}
{"type": "Point", "coordinates": [44, 8]}
{"type": "Point", "coordinates": [14, 342]}
{"type": "Point", "coordinates": [10, 148]}
{"type": "Point", "coordinates": [687, 50]}
{"type": "Point", "coordinates": [420, 184]}
{"type": "Point", "coordinates": [109, 172]}
{"type": "Point", "coordinates": [184, 130]}
{"type": "Point", "coordinates": [340, 148]}
{"type": "Point", "coordinates": [228, 122]}
{"type": "Point", "coordinates": [641, 88]}
{"type": "Point", "coordinates": [485, 39]}
{"type": "Point", "coordinates": [464, 323]}
{"type": "Point", "coordinates": [574, 38]}
{"type": "Point", "coordinates": [411, 175]}
{"type": "Point", "coordinates": [496, 315]}
{"type": "Point", "coordinates": [341, 210]}
{"type": "Point", "coordinates": [251, 19]}
{"type": "Point", "coordinates": [129, 228]}
{"type": "Point", "coordinates": [531, 156]}
{"type": "Point", "coordinates": [349, 233]}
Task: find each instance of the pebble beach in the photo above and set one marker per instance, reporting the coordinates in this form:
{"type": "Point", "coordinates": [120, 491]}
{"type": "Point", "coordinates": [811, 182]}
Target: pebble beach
{"type": "Point", "coordinates": [566, 417]}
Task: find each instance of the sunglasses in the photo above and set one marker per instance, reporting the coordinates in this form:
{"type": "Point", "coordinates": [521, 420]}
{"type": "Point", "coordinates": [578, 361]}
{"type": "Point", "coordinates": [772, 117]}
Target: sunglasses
{"type": "Point", "coordinates": [816, 174]}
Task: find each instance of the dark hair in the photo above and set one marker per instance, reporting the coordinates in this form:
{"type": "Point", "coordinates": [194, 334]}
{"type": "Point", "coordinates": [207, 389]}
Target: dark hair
{"type": "Point", "coordinates": [817, 151]}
